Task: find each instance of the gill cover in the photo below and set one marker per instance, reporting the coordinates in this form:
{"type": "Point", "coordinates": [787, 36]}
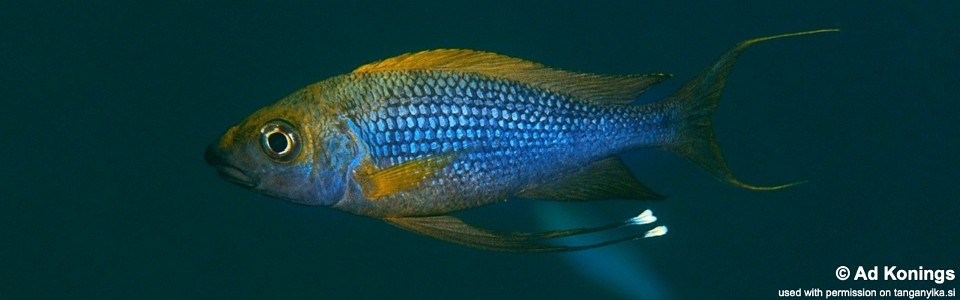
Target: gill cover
{"type": "Point", "coordinates": [327, 166]}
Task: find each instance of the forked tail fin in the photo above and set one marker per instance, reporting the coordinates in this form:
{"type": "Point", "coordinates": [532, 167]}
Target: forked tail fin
{"type": "Point", "coordinates": [698, 100]}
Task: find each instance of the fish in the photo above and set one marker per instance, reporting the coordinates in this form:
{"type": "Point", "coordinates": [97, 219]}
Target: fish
{"type": "Point", "coordinates": [413, 138]}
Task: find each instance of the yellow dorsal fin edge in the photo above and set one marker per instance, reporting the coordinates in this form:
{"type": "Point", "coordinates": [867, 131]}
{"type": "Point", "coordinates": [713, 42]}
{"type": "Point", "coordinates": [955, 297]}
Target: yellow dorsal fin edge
{"type": "Point", "coordinates": [597, 88]}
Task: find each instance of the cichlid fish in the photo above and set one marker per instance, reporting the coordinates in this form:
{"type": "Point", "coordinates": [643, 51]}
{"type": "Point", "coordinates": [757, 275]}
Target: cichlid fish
{"type": "Point", "coordinates": [412, 138]}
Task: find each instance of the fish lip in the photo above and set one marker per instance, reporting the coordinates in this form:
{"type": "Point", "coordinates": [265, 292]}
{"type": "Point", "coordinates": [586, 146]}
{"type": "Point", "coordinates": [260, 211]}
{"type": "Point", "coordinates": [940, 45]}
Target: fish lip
{"type": "Point", "coordinates": [237, 176]}
{"type": "Point", "coordinates": [227, 170]}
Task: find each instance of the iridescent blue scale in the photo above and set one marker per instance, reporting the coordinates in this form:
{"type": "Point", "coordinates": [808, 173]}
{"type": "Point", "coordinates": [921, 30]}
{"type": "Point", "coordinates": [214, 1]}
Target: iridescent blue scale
{"type": "Point", "coordinates": [508, 136]}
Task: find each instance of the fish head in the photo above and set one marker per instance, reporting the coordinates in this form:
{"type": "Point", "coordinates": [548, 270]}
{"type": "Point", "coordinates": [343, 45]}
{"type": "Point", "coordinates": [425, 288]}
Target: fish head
{"type": "Point", "coordinates": [289, 153]}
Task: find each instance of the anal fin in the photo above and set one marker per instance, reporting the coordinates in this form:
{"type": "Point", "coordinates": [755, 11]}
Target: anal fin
{"type": "Point", "coordinates": [452, 229]}
{"type": "Point", "coordinates": [602, 180]}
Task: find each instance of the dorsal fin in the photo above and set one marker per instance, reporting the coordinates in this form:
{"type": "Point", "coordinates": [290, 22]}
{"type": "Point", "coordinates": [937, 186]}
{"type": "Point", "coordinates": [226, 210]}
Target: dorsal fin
{"type": "Point", "coordinates": [597, 88]}
{"type": "Point", "coordinates": [602, 180]}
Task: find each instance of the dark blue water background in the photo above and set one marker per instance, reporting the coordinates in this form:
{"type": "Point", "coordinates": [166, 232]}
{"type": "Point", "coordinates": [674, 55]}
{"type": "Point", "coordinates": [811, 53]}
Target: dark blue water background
{"type": "Point", "coordinates": [108, 107]}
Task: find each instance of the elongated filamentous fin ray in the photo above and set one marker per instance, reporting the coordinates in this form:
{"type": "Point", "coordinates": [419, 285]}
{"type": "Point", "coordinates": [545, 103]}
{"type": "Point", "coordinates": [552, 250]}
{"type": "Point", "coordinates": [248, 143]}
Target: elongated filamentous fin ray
{"type": "Point", "coordinates": [454, 230]}
{"type": "Point", "coordinates": [698, 100]}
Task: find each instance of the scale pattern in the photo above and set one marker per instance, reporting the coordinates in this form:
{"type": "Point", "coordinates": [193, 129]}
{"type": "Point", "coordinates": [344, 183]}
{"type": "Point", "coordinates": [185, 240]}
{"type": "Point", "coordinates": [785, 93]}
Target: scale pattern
{"type": "Point", "coordinates": [509, 136]}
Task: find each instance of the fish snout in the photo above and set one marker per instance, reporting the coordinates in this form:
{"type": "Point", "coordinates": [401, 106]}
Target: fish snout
{"type": "Point", "coordinates": [228, 171]}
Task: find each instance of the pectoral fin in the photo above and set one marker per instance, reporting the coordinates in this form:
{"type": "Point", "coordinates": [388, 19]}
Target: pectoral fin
{"type": "Point", "coordinates": [602, 180]}
{"type": "Point", "coordinates": [454, 230]}
{"type": "Point", "coordinates": [377, 183]}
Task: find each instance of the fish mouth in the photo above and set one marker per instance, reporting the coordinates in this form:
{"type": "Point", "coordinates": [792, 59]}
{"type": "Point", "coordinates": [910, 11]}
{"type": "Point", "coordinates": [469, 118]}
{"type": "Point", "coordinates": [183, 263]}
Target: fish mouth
{"type": "Point", "coordinates": [228, 171]}
{"type": "Point", "coordinates": [234, 175]}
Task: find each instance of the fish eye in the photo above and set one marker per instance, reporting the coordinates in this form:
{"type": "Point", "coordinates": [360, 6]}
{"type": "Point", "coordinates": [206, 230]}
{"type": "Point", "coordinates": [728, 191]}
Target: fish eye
{"type": "Point", "coordinates": [280, 140]}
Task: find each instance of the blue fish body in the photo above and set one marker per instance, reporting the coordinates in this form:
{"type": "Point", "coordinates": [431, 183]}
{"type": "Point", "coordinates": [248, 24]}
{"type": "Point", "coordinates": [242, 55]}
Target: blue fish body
{"type": "Point", "coordinates": [414, 137]}
{"type": "Point", "coordinates": [508, 136]}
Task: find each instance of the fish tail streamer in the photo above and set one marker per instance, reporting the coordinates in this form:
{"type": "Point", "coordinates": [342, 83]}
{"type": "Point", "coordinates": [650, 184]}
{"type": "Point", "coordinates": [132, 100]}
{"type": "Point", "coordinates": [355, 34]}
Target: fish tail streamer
{"type": "Point", "coordinates": [697, 101]}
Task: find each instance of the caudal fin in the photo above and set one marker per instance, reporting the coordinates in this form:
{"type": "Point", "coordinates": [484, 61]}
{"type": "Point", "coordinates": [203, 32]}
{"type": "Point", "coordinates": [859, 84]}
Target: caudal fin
{"type": "Point", "coordinates": [698, 100]}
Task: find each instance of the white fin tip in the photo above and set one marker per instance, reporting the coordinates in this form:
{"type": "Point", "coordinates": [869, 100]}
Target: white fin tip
{"type": "Point", "coordinates": [656, 231]}
{"type": "Point", "coordinates": [646, 217]}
